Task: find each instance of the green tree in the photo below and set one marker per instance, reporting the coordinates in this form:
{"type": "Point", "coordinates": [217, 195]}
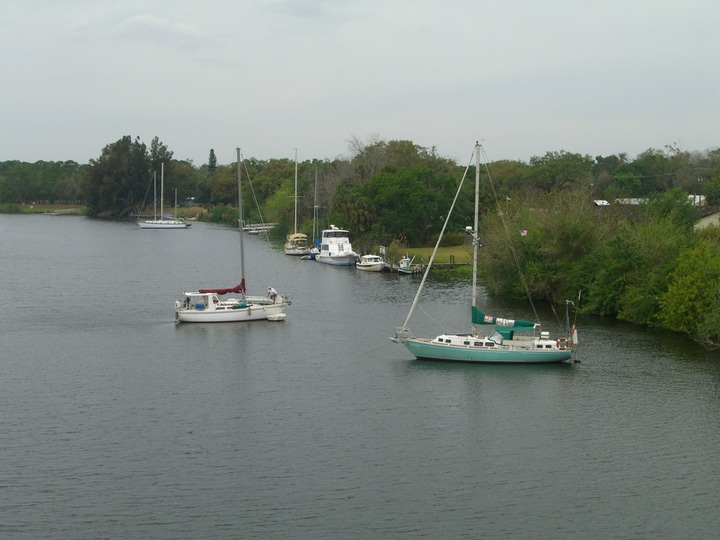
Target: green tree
{"type": "Point", "coordinates": [627, 276]}
{"type": "Point", "coordinates": [691, 301]}
{"type": "Point", "coordinates": [410, 204]}
{"type": "Point", "coordinates": [556, 170]}
{"type": "Point", "coordinates": [115, 183]}
{"type": "Point", "coordinates": [212, 163]}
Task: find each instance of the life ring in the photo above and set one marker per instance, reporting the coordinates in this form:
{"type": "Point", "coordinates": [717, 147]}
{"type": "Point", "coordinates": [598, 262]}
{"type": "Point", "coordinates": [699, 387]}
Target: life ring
{"type": "Point", "coordinates": [562, 343]}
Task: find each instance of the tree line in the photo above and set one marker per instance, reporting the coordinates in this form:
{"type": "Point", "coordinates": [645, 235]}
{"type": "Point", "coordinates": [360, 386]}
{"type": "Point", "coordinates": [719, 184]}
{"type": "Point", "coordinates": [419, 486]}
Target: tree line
{"type": "Point", "coordinates": [645, 263]}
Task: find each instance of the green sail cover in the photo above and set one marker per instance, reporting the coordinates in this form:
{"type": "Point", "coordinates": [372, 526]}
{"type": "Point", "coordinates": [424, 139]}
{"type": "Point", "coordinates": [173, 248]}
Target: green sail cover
{"type": "Point", "coordinates": [478, 317]}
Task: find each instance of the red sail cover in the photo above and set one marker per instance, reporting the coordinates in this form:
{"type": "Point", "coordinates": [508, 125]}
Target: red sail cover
{"type": "Point", "coordinates": [237, 289]}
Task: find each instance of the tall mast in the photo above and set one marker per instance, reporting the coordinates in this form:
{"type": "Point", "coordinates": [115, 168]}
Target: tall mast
{"type": "Point", "coordinates": [475, 237]}
{"type": "Point", "coordinates": [315, 210]}
{"type": "Point", "coordinates": [162, 188]}
{"type": "Point", "coordinates": [241, 221]}
{"type": "Point", "coordinates": [295, 229]}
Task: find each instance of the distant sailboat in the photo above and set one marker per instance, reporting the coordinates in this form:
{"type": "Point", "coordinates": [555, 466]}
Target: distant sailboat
{"type": "Point", "coordinates": [297, 243]}
{"type": "Point", "coordinates": [163, 223]}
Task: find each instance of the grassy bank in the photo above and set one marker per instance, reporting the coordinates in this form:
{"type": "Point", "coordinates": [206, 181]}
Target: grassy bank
{"type": "Point", "coordinates": [80, 210]}
{"type": "Point", "coordinates": [445, 254]}
{"type": "Point", "coordinates": [63, 209]}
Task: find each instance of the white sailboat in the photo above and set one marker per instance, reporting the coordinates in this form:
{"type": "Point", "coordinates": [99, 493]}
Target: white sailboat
{"type": "Point", "coordinates": [502, 345]}
{"type": "Point", "coordinates": [296, 243]}
{"type": "Point", "coordinates": [206, 305]}
{"type": "Point", "coordinates": [163, 222]}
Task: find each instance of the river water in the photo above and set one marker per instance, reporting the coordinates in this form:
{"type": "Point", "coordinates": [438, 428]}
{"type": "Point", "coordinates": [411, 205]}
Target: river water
{"type": "Point", "coordinates": [118, 423]}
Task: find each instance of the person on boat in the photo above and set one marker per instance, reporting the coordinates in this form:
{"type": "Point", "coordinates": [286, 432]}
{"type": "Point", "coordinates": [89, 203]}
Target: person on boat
{"type": "Point", "coordinates": [272, 293]}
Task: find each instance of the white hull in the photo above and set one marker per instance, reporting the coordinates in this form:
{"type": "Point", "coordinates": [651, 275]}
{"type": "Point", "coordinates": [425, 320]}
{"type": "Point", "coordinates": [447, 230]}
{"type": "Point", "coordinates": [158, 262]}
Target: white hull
{"type": "Point", "coordinates": [254, 308]}
{"type": "Point", "coordinates": [163, 224]}
{"type": "Point", "coordinates": [336, 260]}
{"type": "Point", "coordinates": [370, 263]}
{"type": "Point", "coordinates": [375, 267]}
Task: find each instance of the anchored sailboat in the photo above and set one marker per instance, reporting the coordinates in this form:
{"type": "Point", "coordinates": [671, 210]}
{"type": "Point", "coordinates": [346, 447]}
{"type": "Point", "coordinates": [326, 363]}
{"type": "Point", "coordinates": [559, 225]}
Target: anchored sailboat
{"type": "Point", "coordinates": [502, 345]}
{"type": "Point", "coordinates": [297, 243]}
{"type": "Point", "coordinates": [163, 222]}
{"type": "Point", "coordinates": [205, 305]}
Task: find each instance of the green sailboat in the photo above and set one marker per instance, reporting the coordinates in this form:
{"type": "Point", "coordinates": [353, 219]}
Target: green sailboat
{"type": "Point", "coordinates": [505, 343]}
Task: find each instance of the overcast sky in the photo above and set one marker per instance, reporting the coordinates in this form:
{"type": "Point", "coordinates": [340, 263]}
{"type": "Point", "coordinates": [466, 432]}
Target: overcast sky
{"type": "Point", "coordinates": [524, 76]}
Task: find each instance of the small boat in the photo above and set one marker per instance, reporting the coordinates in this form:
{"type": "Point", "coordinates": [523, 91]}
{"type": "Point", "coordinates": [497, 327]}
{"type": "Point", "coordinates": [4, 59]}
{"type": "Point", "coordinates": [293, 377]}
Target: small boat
{"type": "Point", "coordinates": [206, 306]}
{"type": "Point", "coordinates": [371, 263]}
{"type": "Point", "coordinates": [165, 222]}
{"type": "Point", "coordinates": [296, 243]}
{"type": "Point", "coordinates": [406, 266]}
{"type": "Point", "coordinates": [335, 248]}
{"type": "Point", "coordinates": [501, 345]}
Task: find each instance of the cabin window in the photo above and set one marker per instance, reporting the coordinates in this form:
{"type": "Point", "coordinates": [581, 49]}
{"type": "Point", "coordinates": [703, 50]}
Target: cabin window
{"type": "Point", "coordinates": [548, 346]}
{"type": "Point", "coordinates": [490, 344]}
{"type": "Point", "coordinates": [538, 346]}
{"type": "Point", "coordinates": [466, 343]}
{"type": "Point", "coordinates": [478, 344]}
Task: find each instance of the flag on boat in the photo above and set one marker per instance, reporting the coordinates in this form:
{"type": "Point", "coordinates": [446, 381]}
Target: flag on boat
{"type": "Point", "coordinates": [478, 317]}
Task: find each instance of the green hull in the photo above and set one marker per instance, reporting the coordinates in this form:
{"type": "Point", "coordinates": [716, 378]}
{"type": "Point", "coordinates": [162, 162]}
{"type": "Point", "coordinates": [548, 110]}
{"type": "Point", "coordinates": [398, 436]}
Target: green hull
{"type": "Point", "coordinates": [504, 354]}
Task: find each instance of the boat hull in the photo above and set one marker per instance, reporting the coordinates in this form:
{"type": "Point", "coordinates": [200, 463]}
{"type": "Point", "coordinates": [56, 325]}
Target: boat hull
{"type": "Point", "coordinates": [251, 313]}
{"type": "Point", "coordinates": [336, 260]}
{"type": "Point", "coordinates": [163, 224]}
{"type": "Point", "coordinates": [375, 267]}
{"type": "Point", "coordinates": [256, 309]}
{"type": "Point", "coordinates": [370, 263]}
{"type": "Point", "coordinates": [425, 349]}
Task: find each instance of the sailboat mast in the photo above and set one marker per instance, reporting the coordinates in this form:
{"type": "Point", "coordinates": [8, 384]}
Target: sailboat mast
{"type": "Point", "coordinates": [241, 221]}
{"type": "Point", "coordinates": [475, 238]}
{"type": "Point", "coordinates": [315, 211]}
{"type": "Point", "coordinates": [162, 188]}
{"type": "Point", "coordinates": [155, 195]}
{"type": "Point", "coordinates": [295, 229]}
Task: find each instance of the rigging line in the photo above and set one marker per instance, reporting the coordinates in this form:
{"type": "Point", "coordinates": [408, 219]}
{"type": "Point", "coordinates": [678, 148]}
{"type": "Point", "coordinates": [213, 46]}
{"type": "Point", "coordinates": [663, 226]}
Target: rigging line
{"type": "Point", "coordinates": [513, 251]}
{"type": "Point", "coordinates": [437, 244]}
{"type": "Point", "coordinates": [433, 320]}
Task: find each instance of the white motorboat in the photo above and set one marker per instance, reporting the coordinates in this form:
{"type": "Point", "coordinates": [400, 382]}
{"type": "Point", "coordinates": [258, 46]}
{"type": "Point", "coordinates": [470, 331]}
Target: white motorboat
{"type": "Point", "coordinates": [206, 305]}
{"type": "Point", "coordinates": [370, 263]}
{"type": "Point", "coordinates": [335, 248]}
